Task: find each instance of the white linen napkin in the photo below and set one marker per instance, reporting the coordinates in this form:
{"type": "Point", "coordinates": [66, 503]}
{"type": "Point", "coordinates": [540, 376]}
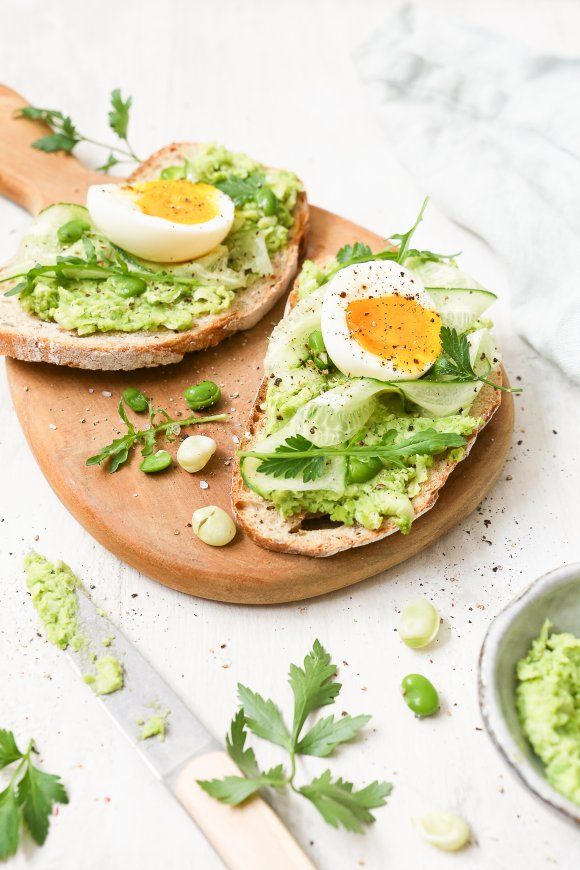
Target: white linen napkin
{"type": "Point", "coordinates": [492, 131]}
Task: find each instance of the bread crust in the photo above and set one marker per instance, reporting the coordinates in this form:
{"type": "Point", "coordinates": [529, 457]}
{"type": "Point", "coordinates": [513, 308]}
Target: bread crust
{"type": "Point", "coordinates": [261, 521]}
{"type": "Point", "coordinates": [26, 337]}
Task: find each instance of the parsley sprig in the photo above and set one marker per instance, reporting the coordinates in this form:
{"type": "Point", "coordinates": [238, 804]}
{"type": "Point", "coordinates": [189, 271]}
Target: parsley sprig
{"type": "Point", "coordinates": [117, 452]}
{"type": "Point", "coordinates": [65, 135]}
{"type": "Point", "coordinates": [298, 456]}
{"type": "Point", "coordinates": [456, 361]}
{"type": "Point", "coordinates": [313, 687]}
{"type": "Point", "coordinates": [350, 255]}
{"type": "Point", "coordinates": [28, 798]}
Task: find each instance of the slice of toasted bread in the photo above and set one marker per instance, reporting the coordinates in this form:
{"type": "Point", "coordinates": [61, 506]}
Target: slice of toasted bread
{"type": "Point", "coordinates": [28, 338]}
{"type": "Point", "coordinates": [262, 522]}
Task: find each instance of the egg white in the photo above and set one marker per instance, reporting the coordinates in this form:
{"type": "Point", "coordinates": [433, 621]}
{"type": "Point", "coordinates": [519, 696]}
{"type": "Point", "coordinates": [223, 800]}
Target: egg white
{"type": "Point", "coordinates": [115, 212]}
{"type": "Point", "coordinates": [376, 278]}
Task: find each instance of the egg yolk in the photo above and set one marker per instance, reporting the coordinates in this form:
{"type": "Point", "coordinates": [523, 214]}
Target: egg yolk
{"type": "Point", "coordinates": [397, 329]}
{"type": "Point", "coordinates": [178, 200]}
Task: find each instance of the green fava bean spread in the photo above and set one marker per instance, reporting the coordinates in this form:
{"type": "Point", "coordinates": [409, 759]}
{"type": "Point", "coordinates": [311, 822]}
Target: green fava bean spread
{"type": "Point", "coordinates": [420, 695]}
{"type": "Point", "coordinates": [202, 395]}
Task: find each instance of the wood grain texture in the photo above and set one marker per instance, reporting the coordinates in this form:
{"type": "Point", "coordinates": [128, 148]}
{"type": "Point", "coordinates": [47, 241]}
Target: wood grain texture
{"type": "Point", "coordinates": [144, 519]}
{"type": "Point", "coordinates": [247, 836]}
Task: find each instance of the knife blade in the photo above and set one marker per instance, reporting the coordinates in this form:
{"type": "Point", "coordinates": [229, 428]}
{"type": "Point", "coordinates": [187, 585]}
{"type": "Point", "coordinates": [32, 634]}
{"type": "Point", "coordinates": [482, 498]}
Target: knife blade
{"type": "Point", "coordinates": [247, 837]}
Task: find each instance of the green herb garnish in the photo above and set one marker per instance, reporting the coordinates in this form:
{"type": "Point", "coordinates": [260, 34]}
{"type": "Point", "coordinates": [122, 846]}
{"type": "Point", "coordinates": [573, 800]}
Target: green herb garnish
{"type": "Point", "coordinates": [65, 135]}
{"type": "Point", "coordinates": [117, 452]}
{"type": "Point", "coordinates": [313, 687]}
{"type": "Point", "coordinates": [351, 255]}
{"type": "Point", "coordinates": [28, 798]}
{"type": "Point", "coordinates": [299, 456]}
{"type": "Point", "coordinates": [241, 190]}
{"type": "Point", "coordinates": [456, 361]}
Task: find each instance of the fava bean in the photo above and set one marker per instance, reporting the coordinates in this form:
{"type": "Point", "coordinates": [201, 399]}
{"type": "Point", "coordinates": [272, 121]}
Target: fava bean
{"type": "Point", "coordinates": [419, 623]}
{"type": "Point", "coordinates": [361, 470]}
{"type": "Point", "coordinates": [213, 526]}
{"type": "Point", "coordinates": [136, 400]}
{"type": "Point", "coordinates": [156, 462]}
{"type": "Point", "coordinates": [420, 695]}
{"type": "Point", "coordinates": [72, 231]}
{"type": "Point", "coordinates": [267, 201]}
{"type": "Point", "coordinates": [443, 829]}
{"type": "Point", "coordinates": [129, 286]}
{"type": "Point", "coordinates": [202, 395]}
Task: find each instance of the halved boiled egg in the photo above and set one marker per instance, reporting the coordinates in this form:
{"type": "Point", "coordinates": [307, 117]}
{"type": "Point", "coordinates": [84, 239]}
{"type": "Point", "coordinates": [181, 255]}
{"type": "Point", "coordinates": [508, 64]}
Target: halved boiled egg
{"type": "Point", "coordinates": [379, 322]}
{"type": "Point", "coordinates": [165, 221]}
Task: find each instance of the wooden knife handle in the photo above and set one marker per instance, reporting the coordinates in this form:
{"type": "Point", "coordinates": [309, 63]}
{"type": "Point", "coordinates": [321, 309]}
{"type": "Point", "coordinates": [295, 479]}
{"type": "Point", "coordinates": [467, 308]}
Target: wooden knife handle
{"type": "Point", "coordinates": [33, 178]}
{"type": "Point", "coordinates": [247, 837]}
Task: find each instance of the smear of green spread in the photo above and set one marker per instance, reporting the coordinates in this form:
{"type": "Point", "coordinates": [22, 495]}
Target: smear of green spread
{"type": "Point", "coordinates": [53, 588]}
{"type": "Point", "coordinates": [548, 703]}
{"type": "Point", "coordinates": [108, 677]}
{"type": "Point", "coordinates": [154, 726]}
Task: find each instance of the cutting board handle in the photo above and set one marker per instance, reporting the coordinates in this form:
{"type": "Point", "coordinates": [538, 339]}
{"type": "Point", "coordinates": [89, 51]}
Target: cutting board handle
{"type": "Point", "coordinates": [32, 178]}
{"type": "Point", "coordinates": [247, 837]}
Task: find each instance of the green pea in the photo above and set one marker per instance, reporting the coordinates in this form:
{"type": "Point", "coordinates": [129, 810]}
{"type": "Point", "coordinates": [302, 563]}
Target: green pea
{"type": "Point", "coordinates": [202, 395]}
{"type": "Point", "coordinates": [136, 400]}
{"type": "Point", "coordinates": [361, 470]}
{"type": "Point", "coordinates": [267, 201]}
{"type": "Point", "coordinates": [170, 173]}
{"type": "Point", "coordinates": [156, 462]}
{"type": "Point", "coordinates": [420, 695]}
{"type": "Point", "coordinates": [129, 286]}
{"type": "Point", "coordinates": [72, 231]}
{"type": "Point", "coordinates": [316, 342]}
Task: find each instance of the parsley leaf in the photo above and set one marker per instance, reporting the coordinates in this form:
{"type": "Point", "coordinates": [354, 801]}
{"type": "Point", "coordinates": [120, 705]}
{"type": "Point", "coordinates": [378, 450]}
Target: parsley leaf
{"type": "Point", "coordinates": [298, 456]}
{"type": "Point", "coordinates": [313, 687]}
{"type": "Point", "coordinates": [456, 361]}
{"type": "Point", "coordinates": [29, 797]}
{"type": "Point", "coordinates": [9, 751]}
{"type": "Point", "coordinates": [339, 804]}
{"type": "Point", "coordinates": [263, 717]}
{"type": "Point", "coordinates": [353, 252]}
{"type": "Point", "coordinates": [328, 733]}
{"type": "Point", "coordinates": [236, 746]}
{"type": "Point", "coordinates": [119, 114]}
{"type": "Point", "coordinates": [235, 790]}
{"type": "Point", "coordinates": [241, 190]}
{"type": "Point", "coordinates": [65, 136]}
{"type": "Point", "coordinates": [37, 791]}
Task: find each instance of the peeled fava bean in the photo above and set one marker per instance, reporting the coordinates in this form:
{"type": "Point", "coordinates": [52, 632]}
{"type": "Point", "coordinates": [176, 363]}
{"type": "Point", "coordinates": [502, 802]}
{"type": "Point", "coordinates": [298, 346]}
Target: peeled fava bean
{"type": "Point", "coordinates": [195, 452]}
{"type": "Point", "coordinates": [213, 526]}
{"type": "Point", "coordinates": [444, 830]}
{"type": "Point", "coordinates": [419, 623]}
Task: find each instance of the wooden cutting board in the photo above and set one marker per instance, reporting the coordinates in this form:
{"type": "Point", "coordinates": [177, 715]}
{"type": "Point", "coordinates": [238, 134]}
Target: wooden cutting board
{"type": "Point", "coordinates": [67, 414]}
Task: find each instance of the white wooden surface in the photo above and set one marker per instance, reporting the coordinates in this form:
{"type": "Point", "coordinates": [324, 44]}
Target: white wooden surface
{"type": "Point", "coordinates": [276, 79]}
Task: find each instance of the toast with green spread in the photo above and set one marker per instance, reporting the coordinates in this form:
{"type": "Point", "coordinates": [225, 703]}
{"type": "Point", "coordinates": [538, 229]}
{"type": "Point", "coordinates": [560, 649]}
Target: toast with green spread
{"type": "Point", "coordinates": [77, 317]}
{"type": "Point", "coordinates": [334, 459]}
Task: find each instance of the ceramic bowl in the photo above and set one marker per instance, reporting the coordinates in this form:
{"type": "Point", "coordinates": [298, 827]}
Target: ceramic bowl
{"type": "Point", "coordinates": [555, 596]}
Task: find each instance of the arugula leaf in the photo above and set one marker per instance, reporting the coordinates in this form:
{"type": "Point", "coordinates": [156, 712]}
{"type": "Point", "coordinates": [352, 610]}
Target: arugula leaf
{"type": "Point", "coordinates": [263, 717]}
{"type": "Point", "coordinates": [9, 751]}
{"type": "Point", "coordinates": [353, 252]}
{"type": "Point", "coordinates": [241, 190]}
{"type": "Point", "coordinates": [117, 452]}
{"type": "Point", "coordinates": [9, 823]}
{"type": "Point", "coordinates": [298, 456]}
{"type": "Point", "coordinates": [235, 745]}
{"type": "Point", "coordinates": [405, 238]}
{"type": "Point", "coordinates": [328, 733]}
{"type": "Point", "coordinates": [235, 790]}
{"type": "Point", "coordinates": [339, 804]}
{"type": "Point", "coordinates": [29, 797]}
{"type": "Point", "coordinates": [119, 114]}
{"type": "Point", "coordinates": [37, 791]}
{"type": "Point", "coordinates": [313, 686]}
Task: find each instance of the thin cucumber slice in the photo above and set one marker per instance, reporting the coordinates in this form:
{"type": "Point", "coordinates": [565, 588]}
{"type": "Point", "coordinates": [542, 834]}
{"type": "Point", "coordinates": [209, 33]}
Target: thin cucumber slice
{"type": "Point", "coordinates": [288, 345]}
{"type": "Point", "coordinates": [460, 307]}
